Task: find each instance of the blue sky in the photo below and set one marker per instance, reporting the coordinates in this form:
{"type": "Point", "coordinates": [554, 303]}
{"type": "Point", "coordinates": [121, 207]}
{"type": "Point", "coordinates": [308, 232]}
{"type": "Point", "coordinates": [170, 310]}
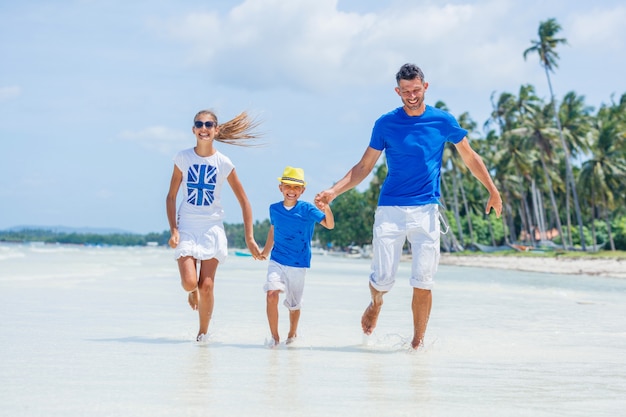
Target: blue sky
{"type": "Point", "coordinates": [97, 96]}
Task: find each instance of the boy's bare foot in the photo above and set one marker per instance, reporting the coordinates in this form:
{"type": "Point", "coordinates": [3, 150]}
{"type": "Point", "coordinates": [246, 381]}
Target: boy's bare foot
{"type": "Point", "coordinates": [193, 299]}
{"type": "Point", "coordinates": [369, 318]}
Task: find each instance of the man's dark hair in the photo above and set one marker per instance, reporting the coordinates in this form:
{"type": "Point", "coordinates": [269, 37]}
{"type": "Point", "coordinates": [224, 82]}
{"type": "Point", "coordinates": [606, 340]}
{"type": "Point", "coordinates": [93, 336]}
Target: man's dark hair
{"type": "Point", "coordinates": [409, 72]}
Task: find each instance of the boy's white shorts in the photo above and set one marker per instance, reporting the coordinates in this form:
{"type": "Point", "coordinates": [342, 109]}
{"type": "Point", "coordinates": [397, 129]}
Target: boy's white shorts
{"type": "Point", "coordinates": [203, 244]}
{"type": "Point", "coordinates": [393, 225]}
{"type": "Point", "coordinates": [288, 280]}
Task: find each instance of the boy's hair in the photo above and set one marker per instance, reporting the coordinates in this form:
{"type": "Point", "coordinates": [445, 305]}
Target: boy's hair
{"type": "Point", "coordinates": [409, 72]}
{"type": "Point", "coordinates": [236, 131]}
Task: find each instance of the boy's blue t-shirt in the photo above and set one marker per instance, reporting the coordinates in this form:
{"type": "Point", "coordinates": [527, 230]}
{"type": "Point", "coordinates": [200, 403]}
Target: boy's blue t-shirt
{"type": "Point", "coordinates": [293, 232]}
{"type": "Point", "coordinates": [414, 148]}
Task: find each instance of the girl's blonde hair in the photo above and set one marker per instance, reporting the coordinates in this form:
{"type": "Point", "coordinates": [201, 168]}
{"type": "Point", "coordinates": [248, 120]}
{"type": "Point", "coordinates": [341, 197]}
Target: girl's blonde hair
{"type": "Point", "coordinates": [237, 131]}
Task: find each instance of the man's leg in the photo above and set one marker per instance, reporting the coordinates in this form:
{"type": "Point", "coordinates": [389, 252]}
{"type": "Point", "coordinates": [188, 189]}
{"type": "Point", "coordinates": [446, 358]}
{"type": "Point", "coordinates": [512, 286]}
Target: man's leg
{"type": "Point", "coordinates": [421, 305]}
{"type": "Point", "coordinates": [424, 237]}
{"type": "Point", "coordinates": [370, 316]}
{"type": "Point", "coordinates": [387, 241]}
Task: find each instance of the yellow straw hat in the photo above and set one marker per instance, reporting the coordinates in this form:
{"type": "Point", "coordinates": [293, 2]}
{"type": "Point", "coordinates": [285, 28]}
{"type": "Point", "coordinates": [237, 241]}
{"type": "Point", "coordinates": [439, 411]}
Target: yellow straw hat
{"type": "Point", "coordinates": [293, 176]}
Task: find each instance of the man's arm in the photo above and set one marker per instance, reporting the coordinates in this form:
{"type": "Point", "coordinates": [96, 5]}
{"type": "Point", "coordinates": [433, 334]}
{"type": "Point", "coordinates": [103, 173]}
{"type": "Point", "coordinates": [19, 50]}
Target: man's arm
{"type": "Point", "coordinates": [477, 167]}
{"type": "Point", "coordinates": [353, 178]}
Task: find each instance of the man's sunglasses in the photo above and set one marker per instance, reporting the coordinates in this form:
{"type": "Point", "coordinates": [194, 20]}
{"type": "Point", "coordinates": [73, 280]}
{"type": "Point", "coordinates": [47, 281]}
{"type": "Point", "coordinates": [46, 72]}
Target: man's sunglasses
{"type": "Point", "coordinates": [199, 124]}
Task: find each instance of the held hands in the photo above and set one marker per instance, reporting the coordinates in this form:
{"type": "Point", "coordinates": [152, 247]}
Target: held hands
{"type": "Point", "coordinates": [323, 199]}
{"type": "Point", "coordinates": [255, 251]}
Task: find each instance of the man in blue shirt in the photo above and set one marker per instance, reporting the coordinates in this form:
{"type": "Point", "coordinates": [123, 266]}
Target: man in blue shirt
{"type": "Point", "coordinates": [289, 240]}
{"type": "Point", "coordinates": [413, 138]}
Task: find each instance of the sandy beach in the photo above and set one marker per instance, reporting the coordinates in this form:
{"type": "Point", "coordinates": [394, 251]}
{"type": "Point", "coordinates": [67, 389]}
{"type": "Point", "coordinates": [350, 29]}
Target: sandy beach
{"type": "Point", "coordinates": [606, 267]}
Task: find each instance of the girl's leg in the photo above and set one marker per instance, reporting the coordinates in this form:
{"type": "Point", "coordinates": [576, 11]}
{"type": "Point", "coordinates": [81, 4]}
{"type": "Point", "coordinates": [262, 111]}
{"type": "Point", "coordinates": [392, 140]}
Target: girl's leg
{"type": "Point", "coordinates": [189, 279]}
{"type": "Point", "coordinates": [272, 313]}
{"type": "Point", "coordinates": [206, 282]}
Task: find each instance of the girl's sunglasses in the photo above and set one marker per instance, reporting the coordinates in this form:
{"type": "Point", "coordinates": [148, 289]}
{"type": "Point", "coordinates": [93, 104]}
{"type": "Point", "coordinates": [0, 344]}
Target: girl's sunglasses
{"type": "Point", "coordinates": [199, 124]}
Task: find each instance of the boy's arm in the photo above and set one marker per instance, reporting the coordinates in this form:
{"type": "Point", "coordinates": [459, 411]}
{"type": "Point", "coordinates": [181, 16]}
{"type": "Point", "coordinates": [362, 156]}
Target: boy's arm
{"type": "Point", "coordinates": [329, 220]}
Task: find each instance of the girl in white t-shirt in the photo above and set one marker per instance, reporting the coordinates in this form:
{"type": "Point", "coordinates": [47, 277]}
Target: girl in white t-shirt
{"type": "Point", "coordinates": [197, 231]}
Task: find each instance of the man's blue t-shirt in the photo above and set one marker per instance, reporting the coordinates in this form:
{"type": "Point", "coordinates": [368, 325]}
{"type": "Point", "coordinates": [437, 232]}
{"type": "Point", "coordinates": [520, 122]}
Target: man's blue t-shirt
{"type": "Point", "coordinates": [414, 148]}
{"type": "Point", "coordinates": [293, 232]}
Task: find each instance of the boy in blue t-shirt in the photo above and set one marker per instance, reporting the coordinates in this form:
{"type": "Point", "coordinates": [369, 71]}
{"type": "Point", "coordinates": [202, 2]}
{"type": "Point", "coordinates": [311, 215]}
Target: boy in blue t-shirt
{"type": "Point", "coordinates": [289, 240]}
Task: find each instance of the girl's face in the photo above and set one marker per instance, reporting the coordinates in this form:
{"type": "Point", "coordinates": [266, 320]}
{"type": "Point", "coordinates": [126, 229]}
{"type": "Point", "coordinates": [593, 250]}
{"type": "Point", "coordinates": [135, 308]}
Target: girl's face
{"type": "Point", "coordinates": [205, 128]}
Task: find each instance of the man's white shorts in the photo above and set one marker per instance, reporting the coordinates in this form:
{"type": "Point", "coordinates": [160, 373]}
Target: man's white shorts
{"type": "Point", "coordinates": [288, 280]}
{"type": "Point", "coordinates": [393, 225]}
{"type": "Point", "coordinates": [204, 244]}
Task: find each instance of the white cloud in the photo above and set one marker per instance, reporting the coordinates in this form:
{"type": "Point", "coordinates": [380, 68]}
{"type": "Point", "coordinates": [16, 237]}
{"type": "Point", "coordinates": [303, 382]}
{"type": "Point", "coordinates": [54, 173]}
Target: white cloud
{"type": "Point", "coordinates": [313, 46]}
{"type": "Point", "coordinates": [605, 26]}
{"type": "Point", "coordinates": [10, 92]}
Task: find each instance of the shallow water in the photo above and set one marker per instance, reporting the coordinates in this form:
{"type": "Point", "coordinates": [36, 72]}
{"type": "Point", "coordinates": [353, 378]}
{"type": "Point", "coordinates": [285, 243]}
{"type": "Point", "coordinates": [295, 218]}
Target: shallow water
{"type": "Point", "coordinates": [108, 332]}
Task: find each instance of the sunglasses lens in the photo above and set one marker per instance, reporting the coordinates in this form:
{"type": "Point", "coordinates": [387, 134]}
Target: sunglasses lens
{"type": "Point", "coordinates": [199, 124]}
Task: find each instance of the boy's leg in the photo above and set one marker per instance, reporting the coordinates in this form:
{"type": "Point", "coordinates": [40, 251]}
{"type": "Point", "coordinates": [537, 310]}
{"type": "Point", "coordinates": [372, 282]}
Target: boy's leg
{"type": "Point", "coordinates": [294, 291]}
{"type": "Point", "coordinates": [272, 313]}
{"type": "Point", "coordinates": [294, 318]}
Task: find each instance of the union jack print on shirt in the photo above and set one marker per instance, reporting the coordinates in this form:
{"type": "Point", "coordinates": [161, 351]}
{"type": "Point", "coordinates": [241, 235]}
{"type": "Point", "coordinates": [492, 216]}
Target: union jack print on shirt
{"type": "Point", "coordinates": [201, 184]}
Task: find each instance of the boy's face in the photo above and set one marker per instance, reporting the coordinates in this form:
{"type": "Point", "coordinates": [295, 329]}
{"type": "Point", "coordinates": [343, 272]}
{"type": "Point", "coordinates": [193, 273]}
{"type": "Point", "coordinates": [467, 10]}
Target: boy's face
{"type": "Point", "coordinates": [291, 192]}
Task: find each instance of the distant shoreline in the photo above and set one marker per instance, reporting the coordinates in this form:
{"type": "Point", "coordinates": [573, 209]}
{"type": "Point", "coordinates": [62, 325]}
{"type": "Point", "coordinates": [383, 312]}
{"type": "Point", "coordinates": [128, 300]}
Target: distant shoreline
{"type": "Point", "coordinates": [604, 267]}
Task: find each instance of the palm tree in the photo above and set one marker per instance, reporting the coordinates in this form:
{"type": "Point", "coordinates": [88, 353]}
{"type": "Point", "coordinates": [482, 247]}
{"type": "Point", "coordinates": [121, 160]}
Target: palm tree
{"type": "Point", "coordinates": [576, 121]}
{"type": "Point", "coordinates": [538, 133]}
{"type": "Point", "coordinates": [546, 48]}
{"type": "Point", "coordinates": [603, 174]}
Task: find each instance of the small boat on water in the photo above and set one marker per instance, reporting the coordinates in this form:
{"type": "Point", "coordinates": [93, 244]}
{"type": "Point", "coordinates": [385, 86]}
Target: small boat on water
{"type": "Point", "coordinates": [242, 253]}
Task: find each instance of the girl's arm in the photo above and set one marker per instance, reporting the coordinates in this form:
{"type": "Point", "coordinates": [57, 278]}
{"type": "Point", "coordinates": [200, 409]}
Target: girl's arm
{"type": "Point", "coordinates": [269, 243]}
{"type": "Point", "coordinates": [246, 211]}
{"type": "Point", "coordinates": [170, 206]}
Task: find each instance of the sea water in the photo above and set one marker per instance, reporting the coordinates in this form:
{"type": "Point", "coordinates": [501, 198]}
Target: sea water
{"type": "Point", "coordinates": [88, 331]}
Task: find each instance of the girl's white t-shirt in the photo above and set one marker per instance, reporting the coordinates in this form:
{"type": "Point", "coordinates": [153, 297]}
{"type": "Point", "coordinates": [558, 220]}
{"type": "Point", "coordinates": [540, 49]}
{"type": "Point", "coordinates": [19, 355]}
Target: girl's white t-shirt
{"type": "Point", "coordinates": [201, 187]}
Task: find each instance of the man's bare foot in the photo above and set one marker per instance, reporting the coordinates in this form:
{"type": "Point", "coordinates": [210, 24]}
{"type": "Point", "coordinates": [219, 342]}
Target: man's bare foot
{"type": "Point", "coordinates": [193, 299]}
{"type": "Point", "coordinates": [369, 319]}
